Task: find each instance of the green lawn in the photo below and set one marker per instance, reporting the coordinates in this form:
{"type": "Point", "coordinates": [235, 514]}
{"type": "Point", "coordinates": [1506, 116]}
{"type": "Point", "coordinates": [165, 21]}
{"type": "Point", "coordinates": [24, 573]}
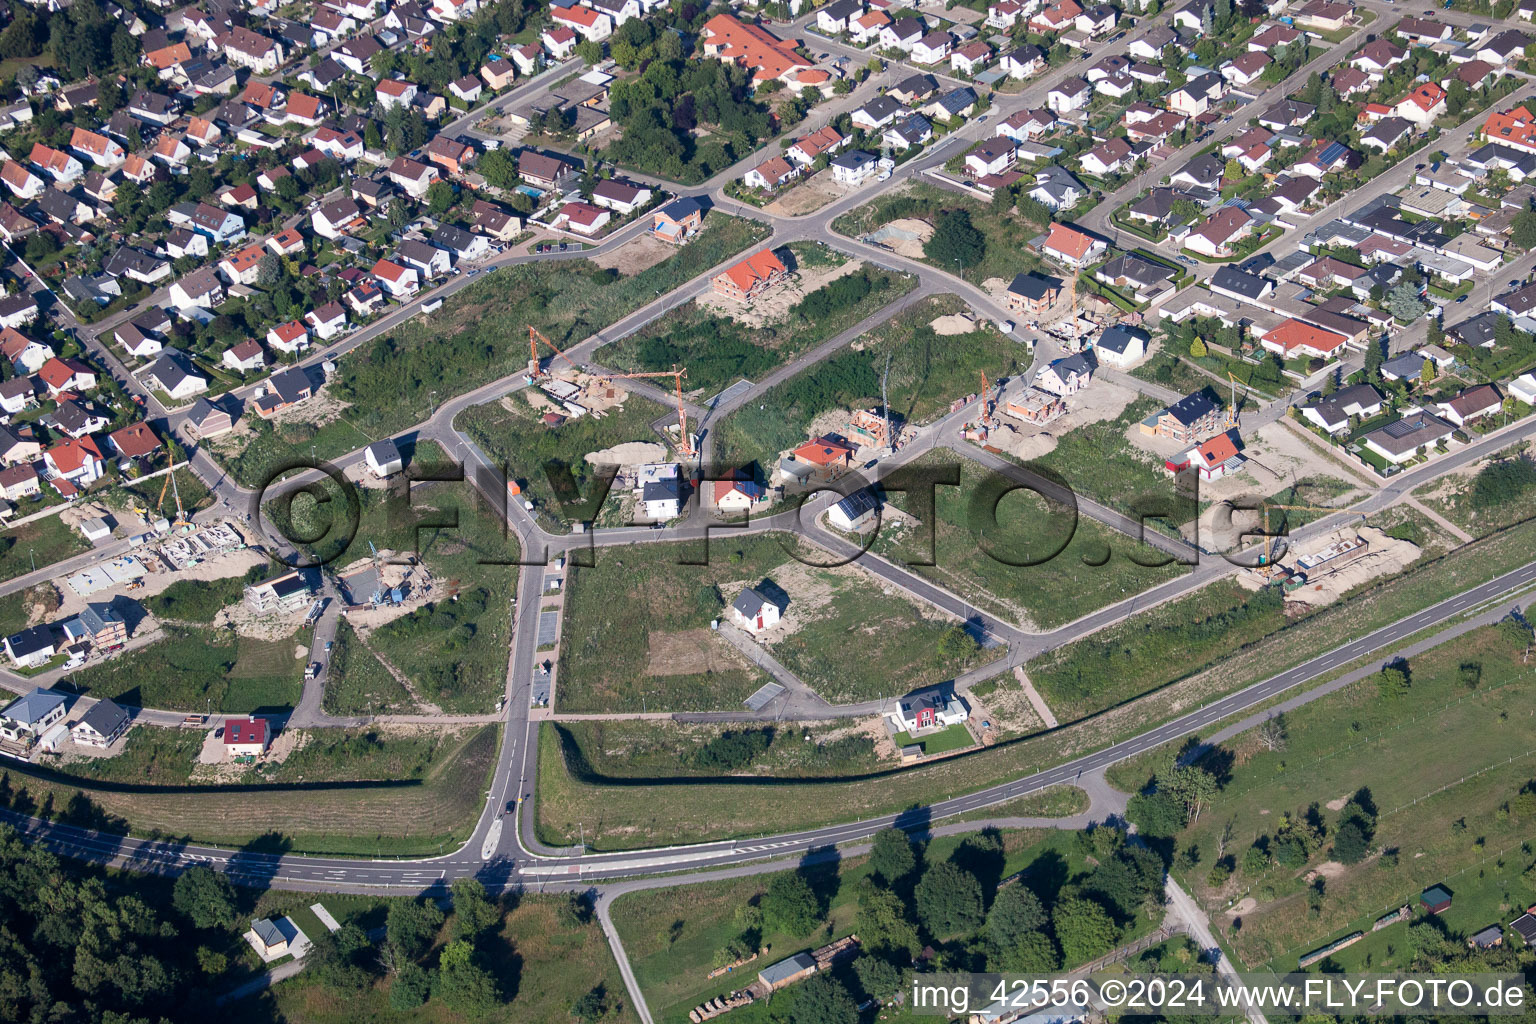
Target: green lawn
{"type": "Point", "coordinates": [512, 433]}
{"type": "Point", "coordinates": [1005, 233]}
{"type": "Point", "coordinates": [955, 737]}
{"type": "Point", "coordinates": [635, 631]}
{"type": "Point", "coordinates": [37, 544]}
{"type": "Point", "coordinates": [1439, 734]}
{"type": "Point", "coordinates": [1072, 576]}
{"type": "Point", "coordinates": [927, 373]}
{"type": "Point", "coordinates": [257, 460]}
{"type": "Point", "coordinates": [196, 668]}
{"type": "Point", "coordinates": [717, 351]}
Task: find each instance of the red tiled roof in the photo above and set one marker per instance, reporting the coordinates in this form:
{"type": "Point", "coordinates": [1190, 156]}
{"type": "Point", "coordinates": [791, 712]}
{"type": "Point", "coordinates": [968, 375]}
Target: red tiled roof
{"type": "Point", "coordinates": [135, 441]}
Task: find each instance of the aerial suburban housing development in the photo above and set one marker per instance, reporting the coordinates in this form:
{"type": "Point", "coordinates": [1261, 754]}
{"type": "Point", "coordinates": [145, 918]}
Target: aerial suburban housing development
{"type": "Point", "coordinates": [490, 488]}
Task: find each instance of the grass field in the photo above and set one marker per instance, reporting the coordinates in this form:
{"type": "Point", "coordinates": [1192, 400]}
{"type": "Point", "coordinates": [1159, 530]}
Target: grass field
{"type": "Point", "coordinates": [418, 816]}
{"type": "Point", "coordinates": [1005, 233]}
{"type": "Point", "coordinates": [1099, 463]}
{"type": "Point", "coordinates": [718, 351]}
{"type": "Point", "coordinates": [648, 748]}
{"type": "Point", "coordinates": [1182, 637]}
{"type": "Point", "coordinates": [38, 543]}
{"type": "Point", "coordinates": [927, 373]}
{"type": "Point", "coordinates": [15, 606]}
{"type": "Point", "coordinates": [356, 683]}
{"type": "Point", "coordinates": [635, 633]}
{"type": "Point", "coordinates": [897, 648]}
{"type": "Point", "coordinates": [672, 934]}
{"type": "Point", "coordinates": [196, 668]}
{"type": "Point", "coordinates": [615, 820]}
{"type": "Point", "coordinates": [1452, 498]}
{"type": "Point", "coordinates": [1439, 734]}
{"type": "Point", "coordinates": [512, 433]}
{"type": "Point", "coordinates": [1072, 578]}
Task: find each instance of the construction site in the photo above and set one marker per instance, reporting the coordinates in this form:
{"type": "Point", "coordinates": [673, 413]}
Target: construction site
{"type": "Point", "coordinates": [1322, 571]}
{"type": "Point", "coordinates": [573, 392]}
{"type": "Point", "coordinates": [383, 581]}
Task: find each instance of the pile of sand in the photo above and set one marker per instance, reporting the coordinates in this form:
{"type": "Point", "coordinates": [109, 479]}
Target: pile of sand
{"type": "Point", "coordinates": [630, 453]}
{"type": "Point", "coordinates": [952, 324]}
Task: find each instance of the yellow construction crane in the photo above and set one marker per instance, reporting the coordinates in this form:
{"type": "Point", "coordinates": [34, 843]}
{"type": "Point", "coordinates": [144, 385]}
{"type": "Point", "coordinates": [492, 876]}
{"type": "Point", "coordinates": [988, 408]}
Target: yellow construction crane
{"type": "Point", "coordinates": [1267, 559]}
{"type": "Point", "coordinates": [1232, 406]}
{"type": "Point", "coordinates": [684, 442]}
{"type": "Point", "coordinates": [181, 513]}
{"type": "Point", "coordinates": [535, 370]}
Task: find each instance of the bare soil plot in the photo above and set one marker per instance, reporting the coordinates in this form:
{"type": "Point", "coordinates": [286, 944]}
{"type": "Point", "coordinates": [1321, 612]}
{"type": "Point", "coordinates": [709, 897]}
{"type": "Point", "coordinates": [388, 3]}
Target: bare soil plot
{"type": "Point", "coordinates": [1100, 402]}
{"type": "Point", "coordinates": [807, 197]}
{"type": "Point", "coordinates": [635, 255]}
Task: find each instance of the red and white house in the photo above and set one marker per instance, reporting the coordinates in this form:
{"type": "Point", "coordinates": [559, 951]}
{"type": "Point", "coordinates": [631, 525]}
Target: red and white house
{"type": "Point", "coordinates": [398, 282]}
{"type": "Point", "coordinates": [290, 338]}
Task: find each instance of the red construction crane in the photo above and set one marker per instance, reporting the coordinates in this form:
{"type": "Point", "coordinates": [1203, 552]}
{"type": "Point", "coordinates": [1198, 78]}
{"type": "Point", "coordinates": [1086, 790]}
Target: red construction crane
{"type": "Point", "coordinates": [684, 442]}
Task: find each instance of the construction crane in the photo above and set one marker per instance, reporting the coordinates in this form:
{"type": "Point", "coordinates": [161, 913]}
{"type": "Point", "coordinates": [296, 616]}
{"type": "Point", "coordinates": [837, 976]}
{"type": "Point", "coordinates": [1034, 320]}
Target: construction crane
{"type": "Point", "coordinates": [1232, 406]}
{"type": "Point", "coordinates": [535, 370]}
{"type": "Point", "coordinates": [181, 513]}
{"type": "Point", "coordinates": [684, 442]}
{"type": "Point", "coordinates": [1267, 559]}
{"type": "Point", "coordinates": [987, 406]}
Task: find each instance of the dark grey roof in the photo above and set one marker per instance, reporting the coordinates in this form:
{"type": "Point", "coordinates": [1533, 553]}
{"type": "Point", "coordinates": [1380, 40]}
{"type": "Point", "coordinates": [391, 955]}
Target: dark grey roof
{"type": "Point", "coordinates": [1192, 408]}
{"type": "Point", "coordinates": [854, 159]}
{"type": "Point", "coordinates": [1479, 330]}
{"type": "Point", "coordinates": [1137, 269]}
{"type": "Point", "coordinates": [1205, 168]}
{"type": "Point", "coordinates": [1156, 203]}
{"type": "Point", "coordinates": [385, 451]}
{"type": "Point", "coordinates": [128, 258]}
{"type": "Point", "coordinates": [30, 641]}
{"type": "Point", "coordinates": [1408, 433]}
{"type": "Point", "coordinates": [1032, 286]}
{"type": "Point", "coordinates": [1330, 409]}
{"type": "Point", "coordinates": [1230, 279]}
{"type": "Point", "coordinates": [1119, 338]}
{"type": "Point", "coordinates": [659, 490]}
{"type": "Point", "coordinates": [918, 85]}
{"type": "Point", "coordinates": [749, 602]}
{"type": "Point", "coordinates": [881, 107]}
{"type": "Point", "coordinates": [1288, 111]}
{"type": "Point", "coordinates": [106, 716]}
